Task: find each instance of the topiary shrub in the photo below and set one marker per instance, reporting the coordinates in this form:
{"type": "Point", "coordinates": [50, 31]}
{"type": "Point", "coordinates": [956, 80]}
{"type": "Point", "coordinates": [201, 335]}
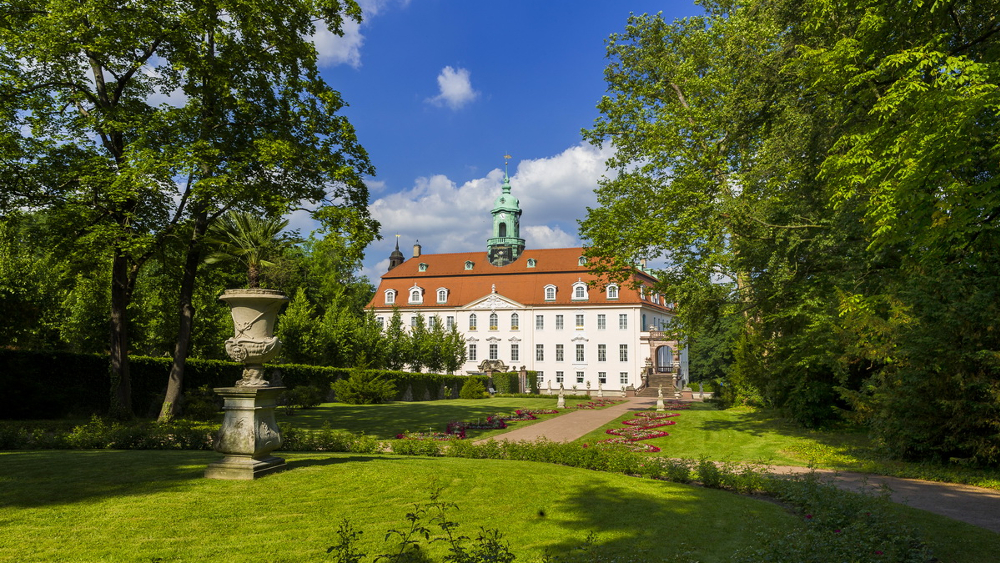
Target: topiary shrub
{"type": "Point", "coordinates": [473, 389]}
{"type": "Point", "coordinates": [364, 387]}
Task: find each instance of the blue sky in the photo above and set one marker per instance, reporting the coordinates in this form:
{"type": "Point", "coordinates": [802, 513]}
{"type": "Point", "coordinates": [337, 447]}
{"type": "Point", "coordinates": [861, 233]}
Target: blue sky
{"type": "Point", "coordinates": [441, 90]}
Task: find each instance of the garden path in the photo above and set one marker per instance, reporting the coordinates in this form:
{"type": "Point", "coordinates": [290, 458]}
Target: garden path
{"type": "Point", "coordinates": [973, 505]}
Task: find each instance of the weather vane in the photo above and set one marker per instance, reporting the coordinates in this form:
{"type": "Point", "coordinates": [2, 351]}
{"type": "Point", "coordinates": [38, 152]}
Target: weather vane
{"type": "Point", "coordinates": [506, 159]}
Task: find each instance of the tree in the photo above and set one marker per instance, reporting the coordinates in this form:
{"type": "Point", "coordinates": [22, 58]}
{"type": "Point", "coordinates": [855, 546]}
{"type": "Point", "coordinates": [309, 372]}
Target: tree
{"type": "Point", "coordinates": [251, 126]}
{"type": "Point", "coordinates": [827, 172]}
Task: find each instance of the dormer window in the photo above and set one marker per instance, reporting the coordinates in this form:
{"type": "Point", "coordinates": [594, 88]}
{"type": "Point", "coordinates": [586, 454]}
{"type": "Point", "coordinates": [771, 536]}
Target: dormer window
{"type": "Point", "coordinates": [531, 262]}
{"type": "Point", "coordinates": [422, 267]}
{"type": "Point", "coordinates": [582, 261]}
{"type": "Point", "coordinates": [390, 296]}
{"type": "Point", "coordinates": [469, 264]}
{"type": "Point", "coordinates": [579, 291]}
{"type": "Point", "coordinates": [442, 295]}
{"type": "Point", "coordinates": [416, 295]}
{"type": "Point", "coordinates": [550, 292]}
{"type": "Point", "coordinates": [612, 291]}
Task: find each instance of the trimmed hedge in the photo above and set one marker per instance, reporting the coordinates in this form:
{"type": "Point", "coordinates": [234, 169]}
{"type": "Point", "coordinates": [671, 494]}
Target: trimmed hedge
{"type": "Point", "coordinates": [507, 383]}
{"type": "Point", "coordinates": [52, 385]}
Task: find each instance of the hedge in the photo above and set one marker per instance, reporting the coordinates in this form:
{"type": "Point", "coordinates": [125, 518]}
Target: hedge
{"type": "Point", "coordinates": [506, 383]}
{"type": "Point", "coordinates": [52, 385]}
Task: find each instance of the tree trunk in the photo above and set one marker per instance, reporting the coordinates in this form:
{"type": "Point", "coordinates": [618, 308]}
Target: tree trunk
{"type": "Point", "coordinates": [186, 310]}
{"type": "Point", "coordinates": [121, 382]}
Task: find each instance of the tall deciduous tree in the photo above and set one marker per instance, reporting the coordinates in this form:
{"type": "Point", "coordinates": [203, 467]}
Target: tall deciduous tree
{"type": "Point", "coordinates": [247, 123]}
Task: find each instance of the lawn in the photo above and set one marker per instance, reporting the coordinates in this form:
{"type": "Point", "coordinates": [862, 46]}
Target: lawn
{"type": "Point", "coordinates": [155, 506]}
{"type": "Point", "coordinates": [386, 421]}
{"type": "Point", "coordinates": [760, 436]}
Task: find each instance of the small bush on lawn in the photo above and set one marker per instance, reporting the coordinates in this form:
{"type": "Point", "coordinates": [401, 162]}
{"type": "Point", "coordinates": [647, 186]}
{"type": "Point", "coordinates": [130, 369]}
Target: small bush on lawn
{"type": "Point", "coordinates": [304, 396]}
{"type": "Point", "coordinates": [473, 389]}
{"type": "Point", "coordinates": [364, 388]}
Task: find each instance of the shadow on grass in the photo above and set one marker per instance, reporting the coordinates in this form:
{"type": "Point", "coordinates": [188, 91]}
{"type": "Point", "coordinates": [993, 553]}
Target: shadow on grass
{"type": "Point", "coordinates": [52, 477]}
{"type": "Point", "coordinates": [631, 527]}
{"type": "Point", "coordinates": [301, 463]}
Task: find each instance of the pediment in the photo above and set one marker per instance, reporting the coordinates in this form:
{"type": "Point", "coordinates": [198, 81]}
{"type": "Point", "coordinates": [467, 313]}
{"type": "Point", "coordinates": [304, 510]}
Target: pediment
{"type": "Point", "coordinates": [493, 302]}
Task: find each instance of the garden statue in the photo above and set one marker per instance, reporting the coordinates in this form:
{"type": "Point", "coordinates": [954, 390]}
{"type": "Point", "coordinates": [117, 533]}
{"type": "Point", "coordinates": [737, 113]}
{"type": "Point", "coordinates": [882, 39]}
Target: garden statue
{"type": "Point", "coordinates": [249, 432]}
{"type": "Point", "coordinates": [600, 389]}
{"type": "Point", "coordinates": [659, 399]}
{"type": "Point", "coordinates": [561, 403]}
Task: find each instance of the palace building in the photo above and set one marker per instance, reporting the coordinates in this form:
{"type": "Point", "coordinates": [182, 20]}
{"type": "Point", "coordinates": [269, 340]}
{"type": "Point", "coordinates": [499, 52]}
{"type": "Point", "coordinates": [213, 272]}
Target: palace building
{"type": "Point", "coordinates": [540, 309]}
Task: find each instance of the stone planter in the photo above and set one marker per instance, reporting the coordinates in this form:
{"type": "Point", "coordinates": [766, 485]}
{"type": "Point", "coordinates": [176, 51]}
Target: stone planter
{"type": "Point", "coordinates": [249, 432]}
{"type": "Point", "coordinates": [254, 314]}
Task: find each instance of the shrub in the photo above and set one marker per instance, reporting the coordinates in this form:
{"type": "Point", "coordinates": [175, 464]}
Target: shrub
{"type": "Point", "coordinates": [709, 474]}
{"type": "Point", "coordinates": [201, 404]}
{"type": "Point", "coordinates": [364, 387]}
{"type": "Point", "coordinates": [473, 389]}
{"type": "Point", "coordinates": [304, 396]}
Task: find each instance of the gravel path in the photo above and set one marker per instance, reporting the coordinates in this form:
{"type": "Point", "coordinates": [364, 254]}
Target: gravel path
{"type": "Point", "coordinates": [973, 505]}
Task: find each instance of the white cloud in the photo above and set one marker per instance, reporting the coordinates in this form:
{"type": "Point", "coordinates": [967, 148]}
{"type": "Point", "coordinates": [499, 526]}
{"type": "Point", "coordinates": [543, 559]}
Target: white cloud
{"type": "Point", "coordinates": [335, 49]}
{"type": "Point", "coordinates": [455, 88]}
{"type": "Point", "coordinates": [446, 217]}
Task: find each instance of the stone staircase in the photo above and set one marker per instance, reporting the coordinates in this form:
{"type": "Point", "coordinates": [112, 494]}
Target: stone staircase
{"type": "Point", "coordinates": [655, 380]}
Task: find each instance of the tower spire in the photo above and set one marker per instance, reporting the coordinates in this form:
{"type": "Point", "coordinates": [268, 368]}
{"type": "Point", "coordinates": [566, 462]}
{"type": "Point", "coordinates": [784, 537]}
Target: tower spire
{"type": "Point", "coordinates": [506, 244]}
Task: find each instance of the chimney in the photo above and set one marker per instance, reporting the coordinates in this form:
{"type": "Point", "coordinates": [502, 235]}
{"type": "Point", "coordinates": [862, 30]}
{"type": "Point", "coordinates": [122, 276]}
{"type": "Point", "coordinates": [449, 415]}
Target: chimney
{"type": "Point", "coordinates": [416, 249]}
{"type": "Point", "coordinates": [642, 263]}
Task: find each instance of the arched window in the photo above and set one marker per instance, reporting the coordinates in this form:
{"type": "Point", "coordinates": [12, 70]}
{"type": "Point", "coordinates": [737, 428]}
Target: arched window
{"type": "Point", "coordinates": [494, 321]}
{"type": "Point", "coordinates": [579, 291]}
{"type": "Point", "coordinates": [612, 291]}
{"type": "Point", "coordinates": [416, 295]}
{"type": "Point", "coordinates": [442, 295]}
{"type": "Point", "coordinates": [515, 321]}
{"type": "Point", "coordinates": [472, 321]}
{"type": "Point", "coordinates": [550, 293]}
{"type": "Point", "coordinates": [390, 296]}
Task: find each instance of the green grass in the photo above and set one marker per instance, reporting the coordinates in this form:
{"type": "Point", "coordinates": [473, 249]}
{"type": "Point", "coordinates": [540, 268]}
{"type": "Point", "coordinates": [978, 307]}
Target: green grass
{"type": "Point", "coordinates": [388, 420]}
{"type": "Point", "coordinates": [139, 506]}
{"type": "Point", "coordinates": [759, 436]}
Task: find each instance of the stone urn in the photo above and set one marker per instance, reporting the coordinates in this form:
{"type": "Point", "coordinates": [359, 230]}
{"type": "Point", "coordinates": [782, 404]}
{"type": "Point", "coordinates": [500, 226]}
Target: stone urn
{"type": "Point", "coordinates": [249, 432]}
{"type": "Point", "coordinates": [254, 313]}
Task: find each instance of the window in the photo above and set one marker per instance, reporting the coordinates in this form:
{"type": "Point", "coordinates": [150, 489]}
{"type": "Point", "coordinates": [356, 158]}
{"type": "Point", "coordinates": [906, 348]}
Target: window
{"type": "Point", "coordinates": [540, 378]}
{"type": "Point", "coordinates": [559, 322]}
{"type": "Point", "coordinates": [449, 322]}
{"type": "Point", "coordinates": [579, 352]}
{"type": "Point", "coordinates": [612, 291]}
{"type": "Point", "coordinates": [602, 321]}
{"type": "Point", "coordinates": [494, 320]}
{"type": "Point", "coordinates": [623, 352]}
{"type": "Point", "coordinates": [416, 295]}
{"type": "Point", "coordinates": [559, 377]}
{"type": "Point", "coordinates": [390, 296]}
{"type": "Point", "coordinates": [644, 326]}
{"type": "Point", "coordinates": [413, 322]}
{"type": "Point", "coordinates": [579, 377]}
{"type": "Point", "coordinates": [531, 264]}
{"type": "Point", "coordinates": [623, 321]}
{"type": "Point", "coordinates": [579, 321]}
{"type": "Point", "coordinates": [442, 295]}
{"type": "Point", "coordinates": [422, 267]}
{"type": "Point", "coordinates": [602, 352]}
{"type": "Point", "coordinates": [493, 351]}
{"type": "Point", "coordinates": [623, 378]}
{"type": "Point", "coordinates": [602, 376]}
{"type": "Point", "coordinates": [468, 264]}
{"type": "Point", "coordinates": [472, 321]}
{"type": "Point", "coordinates": [559, 352]}
{"type": "Point", "coordinates": [582, 261]}
{"type": "Point", "coordinates": [580, 291]}
{"type": "Point", "coordinates": [515, 321]}
{"type": "Point", "coordinates": [539, 322]}
{"type": "Point", "coordinates": [550, 293]}
{"type": "Point", "coordinates": [515, 353]}
{"type": "Point", "coordinates": [380, 321]}
{"type": "Point", "coordinates": [472, 352]}
{"type": "Point", "coordinates": [539, 352]}
{"type": "Point", "coordinates": [435, 321]}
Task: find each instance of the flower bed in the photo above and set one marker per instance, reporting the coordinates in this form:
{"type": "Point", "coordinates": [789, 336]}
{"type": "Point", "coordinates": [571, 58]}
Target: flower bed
{"type": "Point", "coordinates": [599, 403]}
{"type": "Point", "coordinates": [537, 411]}
{"type": "Point", "coordinates": [436, 436]}
{"type": "Point", "coordinates": [626, 444]}
{"type": "Point", "coordinates": [636, 433]}
{"type": "Point", "coordinates": [518, 416]}
{"type": "Point", "coordinates": [645, 423]}
{"type": "Point", "coordinates": [653, 415]}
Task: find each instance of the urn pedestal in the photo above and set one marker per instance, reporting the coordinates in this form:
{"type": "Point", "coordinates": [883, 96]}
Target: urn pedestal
{"type": "Point", "coordinates": [248, 435]}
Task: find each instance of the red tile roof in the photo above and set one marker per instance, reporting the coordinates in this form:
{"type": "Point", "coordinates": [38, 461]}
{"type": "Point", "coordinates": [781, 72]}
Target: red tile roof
{"type": "Point", "coordinates": [526, 285]}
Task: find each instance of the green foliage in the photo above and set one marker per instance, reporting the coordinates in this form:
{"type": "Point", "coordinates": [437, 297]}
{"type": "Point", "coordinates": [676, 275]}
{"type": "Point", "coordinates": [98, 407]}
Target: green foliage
{"type": "Point", "coordinates": [304, 396]}
{"type": "Point", "coordinates": [472, 389]}
{"type": "Point", "coordinates": [365, 387]}
{"type": "Point", "coordinates": [201, 404]}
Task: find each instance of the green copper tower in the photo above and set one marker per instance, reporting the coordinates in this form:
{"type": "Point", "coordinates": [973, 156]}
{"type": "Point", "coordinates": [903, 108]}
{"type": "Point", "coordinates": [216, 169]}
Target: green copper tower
{"type": "Point", "coordinates": [506, 244]}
